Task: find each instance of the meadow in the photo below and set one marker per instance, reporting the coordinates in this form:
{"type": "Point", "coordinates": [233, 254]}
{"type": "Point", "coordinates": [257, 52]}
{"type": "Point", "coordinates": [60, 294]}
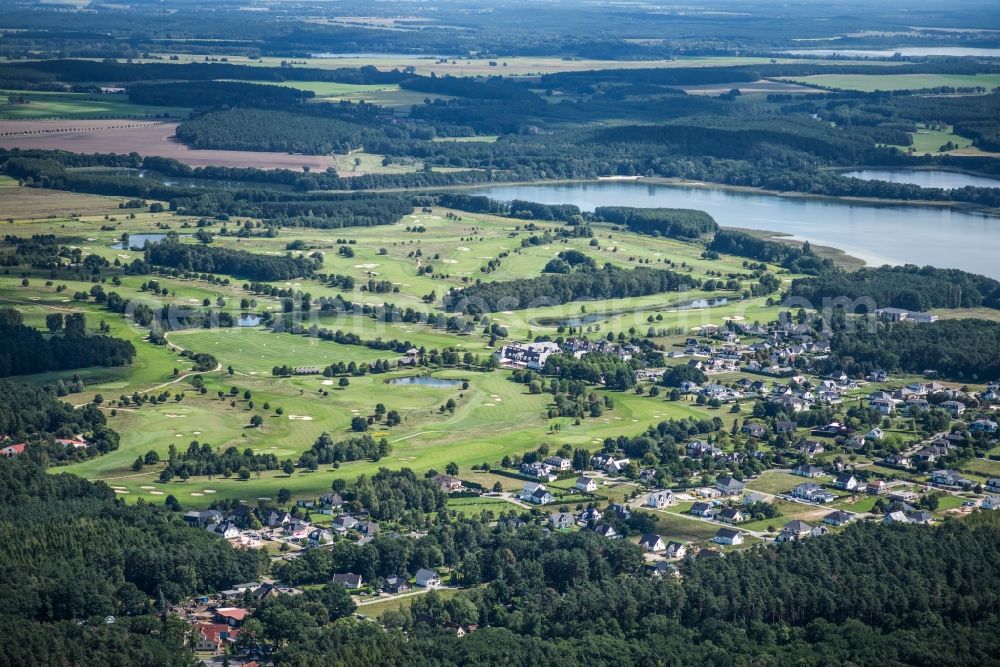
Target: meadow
{"type": "Point", "coordinates": [889, 82]}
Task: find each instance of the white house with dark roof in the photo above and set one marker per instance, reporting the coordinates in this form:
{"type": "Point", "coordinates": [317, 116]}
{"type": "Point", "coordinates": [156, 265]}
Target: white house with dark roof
{"type": "Point", "coordinates": [651, 542]}
{"type": "Point", "coordinates": [729, 536]}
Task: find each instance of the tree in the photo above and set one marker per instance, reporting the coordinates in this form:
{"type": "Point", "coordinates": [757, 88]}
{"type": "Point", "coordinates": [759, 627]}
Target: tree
{"type": "Point", "coordinates": [54, 322]}
{"type": "Point", "coordinates": [343, 382]}
{"type": "Point", "coordinates": [451, 468]}
{"type": "Point", "coordinates": [288, 467]}
{"type": "Point", "coordinates": [359, 424]}
{"type": "Point", "coordinates": [284, 495]}
{"type": "Point", "coordinates": [256, 421]}
{"type": "Point", "coordinates": [172, 503]}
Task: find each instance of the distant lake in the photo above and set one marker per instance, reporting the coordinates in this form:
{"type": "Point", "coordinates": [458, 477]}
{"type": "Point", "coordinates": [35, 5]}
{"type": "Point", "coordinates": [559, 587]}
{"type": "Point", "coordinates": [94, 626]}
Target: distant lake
{"type": "Point", "coordinates": [925, 178]}
{"type": "Point", "coordinates": [939, 236]}
{"type": "Point", "coordinates": [248, 320]}
{"type": "Point", "coordinates": [914, 51]}
{"type": "Point", "coordinates": [427, 381]}
{"type": "Point", "coordinates": [138, 241]}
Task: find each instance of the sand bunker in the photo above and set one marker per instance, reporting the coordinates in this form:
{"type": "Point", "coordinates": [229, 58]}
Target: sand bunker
{"type": "Point", "coordinates": [156, 493]}
{"type": "Point", "coordinates": [303, 418]}
{"type": "Point", "coordinates": [365, 266]}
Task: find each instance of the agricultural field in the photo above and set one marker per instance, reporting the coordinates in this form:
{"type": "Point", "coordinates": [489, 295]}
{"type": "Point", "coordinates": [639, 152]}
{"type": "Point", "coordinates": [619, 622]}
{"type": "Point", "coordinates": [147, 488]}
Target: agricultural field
{"type": "Point", "coordinates": [145, 138]}
{"type": "Point", "coordinates": [890, 82]}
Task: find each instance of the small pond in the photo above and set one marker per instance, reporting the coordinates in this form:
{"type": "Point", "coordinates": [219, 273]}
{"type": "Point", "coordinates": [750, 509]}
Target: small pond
{"type": "Point", "coordinates": [427, 381]}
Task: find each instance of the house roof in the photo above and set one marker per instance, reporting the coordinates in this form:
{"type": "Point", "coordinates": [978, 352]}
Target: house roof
{"type": "Point", "coordinates": [649, 540]}
{"type": "Point", "coordinates": [234, 613]}
{"type": "Point", "coordinates": [727, 533]}
{"type": "Point", "coordinates": [797, 527]}
{"type": "Point", "coordinates": [424, 573]}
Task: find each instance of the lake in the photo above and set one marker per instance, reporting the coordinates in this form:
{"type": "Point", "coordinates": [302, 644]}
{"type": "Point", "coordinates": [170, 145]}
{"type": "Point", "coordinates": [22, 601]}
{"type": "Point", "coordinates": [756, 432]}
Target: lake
{"type": "Point", "coordinates": [925, 178]}
{"type": "Point", "coordinates": [922, 235]}
{"type": "Point", "coordinates": [427, 381]}
{"type": "Point", "coordinates": [138, 241]}
{"type": "Point", "coordinates": [905, 51]}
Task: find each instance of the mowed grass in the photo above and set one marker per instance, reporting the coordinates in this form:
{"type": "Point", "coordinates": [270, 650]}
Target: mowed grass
{"type": "Point", "coordinates": [888, 82]}
{"type": "Point", "coordinates": [778, 482]}
{"type": "Point", "coordinates": [493, 418]}
{"type": "Point", "coordinates": [683, 529]}
{"type": "Point", "coordinates": [20, 202]}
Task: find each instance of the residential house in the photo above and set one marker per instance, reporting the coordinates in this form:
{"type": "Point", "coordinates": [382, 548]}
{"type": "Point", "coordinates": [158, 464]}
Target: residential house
{"type": "Point", "coordinates": [447, 483]}
{"type": "Point", "coordinates": [10, 451]}
{"type": "Point", "coordinates": [586, 484]}
{"type": "Point", "coordinates": [877, 487]}
{"type": "Point", "coordinates": [883, 406]}
{"type": "Point", "coordinates": [796, 530]}
{"type": "Point", "coordinates": [811, 448]}
{"type": "Point", "coordinates": [729, 486]}
{"type": "Point", "coordinates": [675, 550]}
{"type": "Point", "coordinates": [662, 569]}
{"type": "Point", "coordinates": [428, 578]}
{"type": "Point", "coordinates": [227, 529]}
{"type": "Point", "coordinates": [203, 518]}
{"type": "Point", "coordinates": [955, 408]}
{"type": "Point", "coordinates": [536, 494]}
{"type": "Point", "coordinates": [983, 426]}
{"type": "Point", "coordinates": [702, 510]}
{"type": "Point", "coordinates": [296, 529]}
{"type": "Point", "coordinates": [591, 514]}
{"type": "Point", "coordinates": [920, 516]}
{"type": "Point", "coordinates": [343, 523]}
{"type": "Point", "coordinates": [651, 542]}
{"type": "Point", "coordinates": [875, 434]}
{"type": "Point", "coordinates": [847, 482]}
{"type": "Point", "coordinates": [812, 493]}
{"type": "Point", "coordinates": [604, 530]}
{"type": "Point", "coordinates": [319, 537]}
{"type": "Point", "coordinates": [213, 637]}
{"type": "Point", "coordinates": [660, 499]}
{"type": "Point", "coordinates": [729, 536]}
{"type": "Point", "coordinates": [348, 580]}
{"type": "Point", "coordinates": [562, 520]}
{"type": "Point", "coordinates": [231, 616]}
{"type": "Point", "coordinates": [559, 463]}
{"type": "Point", "coordinates": [394, 585]}
{"type": "Point", "coordinates": [895, 517]}
{"type": "Point", "coordinates": [806, 470]}
{"type": "Point", "coordinates": [526, 355]}
{"type": "Point", "coordinates": [276, 519]}
{"type": "Point", "coordinates": [754, 430]}
{"type": "Point", "coordinates": [993, 484]}
{"type": "Point", "coordinates": [838, 518]}
{"type": "Point", "coordinates": [990, 503]}
{"type": "Point", "coordinates": [730, 515]}
{"type": "Point", "coordinates": [949, 478]}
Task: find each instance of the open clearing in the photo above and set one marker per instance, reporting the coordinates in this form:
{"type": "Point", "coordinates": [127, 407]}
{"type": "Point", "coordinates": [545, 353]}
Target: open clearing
{"type": "Point", "coordinates": [145, 138]}
{"type": "Point", "coordinates": [79, 105]}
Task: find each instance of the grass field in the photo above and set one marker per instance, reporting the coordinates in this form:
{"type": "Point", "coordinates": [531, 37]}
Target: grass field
{"type": "Point", "coordinates": [776, 482]}
{"type": "Point", "coordinates": [80, 106]}
{"type": "Point", "coordinates": [683, 529]}
{"type": "Point", "coordinates": [888, 82]}
{"type": "Point", "coordinates": [22, 203]}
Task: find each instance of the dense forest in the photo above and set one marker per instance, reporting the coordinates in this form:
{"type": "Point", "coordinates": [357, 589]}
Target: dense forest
{"type": "Point", "coordinates": [910, 287]}
{"type": "Point", "coordinates": [798, 259]}
{"type": "Point", "coordinates": [239, 263]}
{"type": "Point", "coordinates": [678, 223]}
{"type": "Point", "coordinates": [574, 598]}
{"type": "Point", "coordinates": [75, 555]}
{"type": "Point", "coordinates": [964, 349]}
{"type": "Point", "coordinates": [24, 350]}
{"type": "Point", "coordinates": [27, 411]}
{"type": "Point", "coordinates": [609, 282]}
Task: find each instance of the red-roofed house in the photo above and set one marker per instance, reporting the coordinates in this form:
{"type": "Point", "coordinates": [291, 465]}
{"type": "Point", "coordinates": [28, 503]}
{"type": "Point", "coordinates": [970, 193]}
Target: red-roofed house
{"type": "Point", "coordinates": [213, 636]}
{"type": "Point", "coordinates": [10, 451]}
{"type": "Point", "coordinates": [77, 442]}
{"type": "Point", "coordinates": [231, 615]}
